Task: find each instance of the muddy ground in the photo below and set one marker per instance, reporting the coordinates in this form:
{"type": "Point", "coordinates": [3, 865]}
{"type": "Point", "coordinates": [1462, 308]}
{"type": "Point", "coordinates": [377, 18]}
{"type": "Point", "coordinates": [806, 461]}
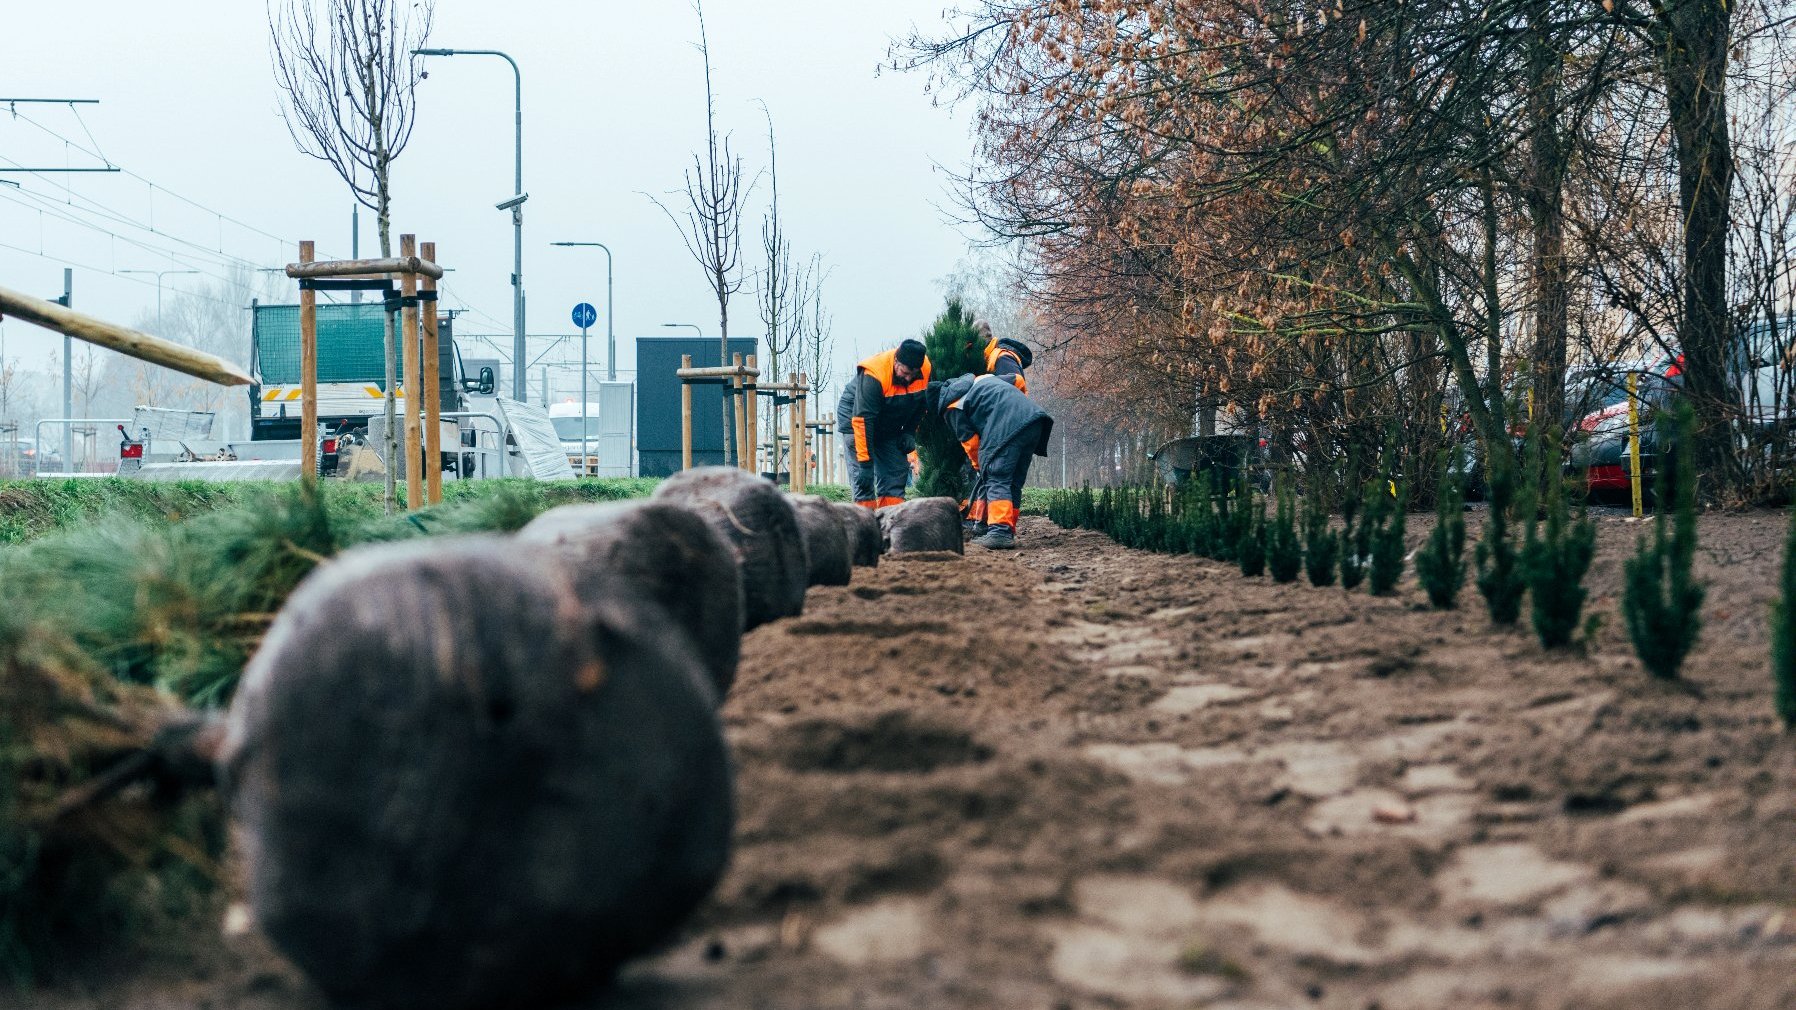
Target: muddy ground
{"type": "Point", "coordinates": [1078, 777]}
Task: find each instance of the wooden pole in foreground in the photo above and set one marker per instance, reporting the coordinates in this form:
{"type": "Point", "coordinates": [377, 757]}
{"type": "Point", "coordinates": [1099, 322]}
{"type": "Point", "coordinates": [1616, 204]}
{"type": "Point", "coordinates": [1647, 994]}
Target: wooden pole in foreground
{"type": "Point", "coordinates": [308, 374]}
{"type": "Point", "coordinates": [409, 382]}
{"type": "Point", "coordinates": [366, 268]}
{"type": "Point", "coordinates": [685, 417]}
{"type": "Point", "coordinates": [801, 445]}
{"type": "Point", "coordinates": [742, 442]}
{"type": "Point", "coordinates": [126, 341]}
{"type": "Point", "coordinates": [432, 387]}
{"type": "Point", "coordinates": [751, 398]}
{"type": "Point", "coordinates": [794, 435]}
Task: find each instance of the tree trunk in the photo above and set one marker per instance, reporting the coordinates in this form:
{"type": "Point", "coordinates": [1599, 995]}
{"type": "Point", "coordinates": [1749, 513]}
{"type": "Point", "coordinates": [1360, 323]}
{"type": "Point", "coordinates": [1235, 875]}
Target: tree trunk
{"type": "Point", "coordinates": [723, 358]}
{"type": "Point", "coordinates": [389, 495]}
{"type": "Point", "coordinates": [1695, 48]}
{"type": "Point", "coordinates": [1546, 214]}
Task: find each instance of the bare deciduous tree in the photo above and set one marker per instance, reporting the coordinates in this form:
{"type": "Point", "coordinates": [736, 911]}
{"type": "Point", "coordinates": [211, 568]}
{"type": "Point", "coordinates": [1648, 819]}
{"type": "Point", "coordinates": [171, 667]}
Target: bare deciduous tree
{"type": "Point", "coordinates": [775, 295]}
{"type": "Point", "coordinates": [351, 84]}
{"type": "Point", "coordinates": [711, 223]}
{"type": "Point", "coordinates": [817, 342]}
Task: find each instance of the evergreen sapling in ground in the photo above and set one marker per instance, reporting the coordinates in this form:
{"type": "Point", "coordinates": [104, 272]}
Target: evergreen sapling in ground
{"type": "Point", "coordinates": [1224, 534]}
{"type": "Point", "coordinates": [1499, 564]}
{"type": "Point", "coordinates": [1440, 564]}
{"type": "Point", "coordinates": [1356, 543]}
{"type": "Point", "coordinates": [1284, 553]}
{"type": "Point", "coordinates": [1661, 600]}
{"type": "Point", "coordinates": [953, 351]}
{"type": "Point", "coordinates": [1783, 633]}
{"type": "Point", "coordinates": [1201, 520]}
{"type": "Point", "coordinates": [1555, 564]}
{"type": "Point", "coordinates": [1250, 550]}
{"type": "Point", "coordinates": [1321, 548]}
{"type": "Point", "coordinates": [1387, 521]}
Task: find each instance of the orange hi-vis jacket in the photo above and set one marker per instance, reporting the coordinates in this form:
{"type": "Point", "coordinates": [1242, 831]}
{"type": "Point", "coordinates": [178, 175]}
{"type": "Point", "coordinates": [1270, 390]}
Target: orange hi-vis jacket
{"type": "Point", "coordinates": [1004, 359]}
{"type": "Point", "coordinates": [874, 406]}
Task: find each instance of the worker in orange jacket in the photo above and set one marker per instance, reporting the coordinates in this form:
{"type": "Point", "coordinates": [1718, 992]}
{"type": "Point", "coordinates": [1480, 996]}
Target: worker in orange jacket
{"type": "Point", "coordinates": [878, 415]}
{"type": "Point", "coordinates": [1007, 359]}
{"type": "Point", "coordinates": [1001, 430]}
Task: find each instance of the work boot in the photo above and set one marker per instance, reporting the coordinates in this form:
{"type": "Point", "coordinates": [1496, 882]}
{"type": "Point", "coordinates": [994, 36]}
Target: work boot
{"type": "Point", "coordinates": [998, 538]}
{"type": "Point", "coordinates": [972, 528]}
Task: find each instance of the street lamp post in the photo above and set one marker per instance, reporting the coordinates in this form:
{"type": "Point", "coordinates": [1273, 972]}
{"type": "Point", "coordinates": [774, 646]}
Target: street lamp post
{"type": "Point", "coordinates": [610, 345]}
{"type": "Point", "coordinates": [610, 312]}
{"type": "Point", "coordinates": [516, 205]}
{"type": "Point", "coordinates": [159, 275]}
{"type": "Point", "coordinates": [690, 326]}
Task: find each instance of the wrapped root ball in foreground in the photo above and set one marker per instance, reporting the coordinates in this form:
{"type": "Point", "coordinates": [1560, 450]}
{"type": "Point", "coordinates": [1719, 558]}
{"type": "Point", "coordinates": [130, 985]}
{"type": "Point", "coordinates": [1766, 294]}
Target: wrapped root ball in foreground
{"type": "Point", "coordinates": [669, 555]}
{"type": "Point", "coordinates": [758, 520]}
{"type": "Point", "coordinates": [864, 539]}
{"type": "Point", "coordinates": [825, 541]}
{"type": "Point", "coordinates": [926, 524]}
{"type": "Point", "coordinates": [457, 785]}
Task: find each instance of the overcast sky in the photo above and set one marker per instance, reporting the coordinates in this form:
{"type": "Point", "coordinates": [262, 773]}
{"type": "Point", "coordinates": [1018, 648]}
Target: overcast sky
{"type": "Point", "coordinates": [613, 108]}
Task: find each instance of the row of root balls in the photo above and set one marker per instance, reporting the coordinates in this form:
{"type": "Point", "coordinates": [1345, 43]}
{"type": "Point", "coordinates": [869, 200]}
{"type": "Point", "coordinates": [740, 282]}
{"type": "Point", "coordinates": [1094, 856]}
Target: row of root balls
{"type": "Point", "coordinates": [486, 771]}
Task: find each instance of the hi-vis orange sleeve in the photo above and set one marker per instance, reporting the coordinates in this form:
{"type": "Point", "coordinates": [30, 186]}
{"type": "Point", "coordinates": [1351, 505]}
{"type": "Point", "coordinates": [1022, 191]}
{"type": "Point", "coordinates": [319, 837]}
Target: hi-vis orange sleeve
{"type": "Point", "coordinates": [861, 450]}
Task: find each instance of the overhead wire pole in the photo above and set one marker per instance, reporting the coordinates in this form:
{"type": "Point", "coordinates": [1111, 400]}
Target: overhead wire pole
{"type": "Point", "coordinates": [68, 275]}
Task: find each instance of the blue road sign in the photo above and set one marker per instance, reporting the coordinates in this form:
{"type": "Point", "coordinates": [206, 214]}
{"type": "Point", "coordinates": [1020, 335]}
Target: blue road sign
{"type": "Point", "coordinates": [585, 315]}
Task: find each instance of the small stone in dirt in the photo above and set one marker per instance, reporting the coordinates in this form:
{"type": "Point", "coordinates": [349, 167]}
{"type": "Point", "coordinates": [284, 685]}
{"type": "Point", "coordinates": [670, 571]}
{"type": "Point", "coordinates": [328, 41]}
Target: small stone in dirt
{"type": "Point", "coordinates": [1394, 813]}
{"type": "Point", "coordinates": [666, 553]}
{"type": "Point", "coordinates": [926, 524]}
{"type": "Point", "coordinates": [759, 521]}
{"type": "Point", "coordinates": [864, 538]}
{"type": "Point", "coordinates": [825, 540]}
{"type": "Point", "coordinates": [460, 785]}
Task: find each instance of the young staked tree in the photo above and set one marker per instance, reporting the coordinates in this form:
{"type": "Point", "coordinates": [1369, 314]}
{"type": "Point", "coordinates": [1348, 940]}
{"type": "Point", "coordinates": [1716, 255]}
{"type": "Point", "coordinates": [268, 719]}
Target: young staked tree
{"type": "Point", "coordinates": [1661, 600]}
{"type": "Point", "coordinates": [779, 291]}
{"type": "Point", "coordinates": [716, 197]}
{"type": "Point", "coordinates": [351, 82]}
{"type": "Point", "coordinates": [817, 341]}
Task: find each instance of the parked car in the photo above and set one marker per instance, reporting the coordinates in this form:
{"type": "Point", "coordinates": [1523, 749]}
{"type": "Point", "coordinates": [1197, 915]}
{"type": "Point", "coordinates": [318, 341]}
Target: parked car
{"type": "Point", "coordinates": [1759, 364]}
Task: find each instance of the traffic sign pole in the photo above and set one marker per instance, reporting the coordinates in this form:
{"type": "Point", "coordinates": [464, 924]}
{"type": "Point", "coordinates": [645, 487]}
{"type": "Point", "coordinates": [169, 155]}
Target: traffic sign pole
{"type": "Point", "coordinates": [584, 316]}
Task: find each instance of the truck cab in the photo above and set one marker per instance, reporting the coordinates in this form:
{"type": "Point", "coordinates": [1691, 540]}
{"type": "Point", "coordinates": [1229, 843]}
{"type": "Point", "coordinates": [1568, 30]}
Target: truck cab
{"type": "Point", "coordinates": [351, 374]}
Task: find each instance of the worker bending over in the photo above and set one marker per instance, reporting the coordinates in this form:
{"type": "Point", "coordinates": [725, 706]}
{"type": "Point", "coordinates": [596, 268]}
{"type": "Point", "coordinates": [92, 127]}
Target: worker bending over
{"type": "Point", "coordinates": [1000, 429]}
{"type": "Point", "coordinates": [879, 411]}
{"type": "Point", "coordinates": [1007, 359]}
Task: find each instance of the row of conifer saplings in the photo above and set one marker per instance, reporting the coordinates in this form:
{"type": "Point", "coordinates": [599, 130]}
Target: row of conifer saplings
{"type": "Point", "coordinates": [1536, 546]}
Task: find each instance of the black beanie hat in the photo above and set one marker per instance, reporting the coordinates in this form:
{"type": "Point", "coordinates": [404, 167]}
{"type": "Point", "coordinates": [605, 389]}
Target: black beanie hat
{"type": "Point", "coordinates": [911, 354]}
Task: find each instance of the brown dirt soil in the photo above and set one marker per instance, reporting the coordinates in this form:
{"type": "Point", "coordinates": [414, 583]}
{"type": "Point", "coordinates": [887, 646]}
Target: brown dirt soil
{"type": "Point", "coordinates": [1083, 777]}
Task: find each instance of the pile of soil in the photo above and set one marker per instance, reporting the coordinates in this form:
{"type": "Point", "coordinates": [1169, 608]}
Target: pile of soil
{"type": "Point", "coordinates": [1076, 776]}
